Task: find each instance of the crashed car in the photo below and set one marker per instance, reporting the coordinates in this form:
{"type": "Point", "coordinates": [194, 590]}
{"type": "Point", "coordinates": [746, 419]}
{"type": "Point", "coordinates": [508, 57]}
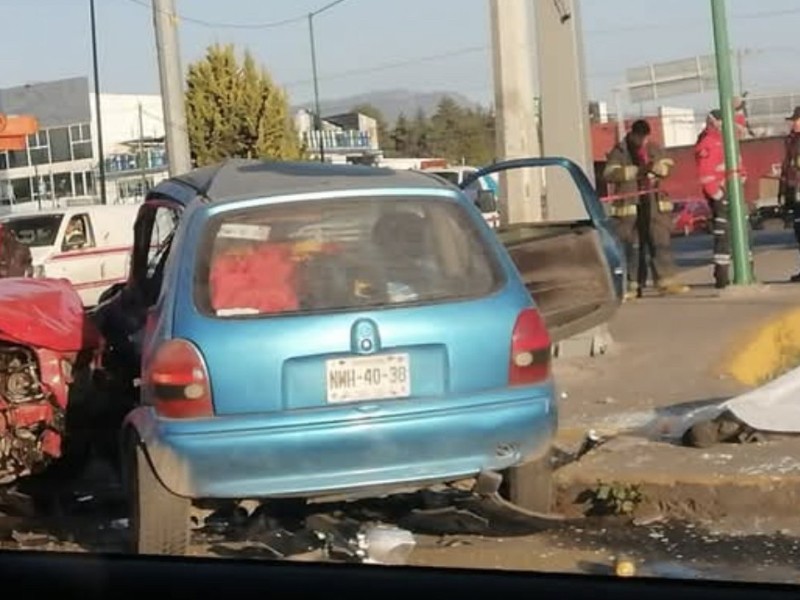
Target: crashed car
{"type": "Point", "coordinates": [311, 330]}
{"type": "Point", "coordinates": [46, 341]}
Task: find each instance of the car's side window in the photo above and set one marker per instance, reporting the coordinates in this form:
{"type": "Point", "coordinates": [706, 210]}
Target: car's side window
{"type": "Point", "coordinates": [154, 229]}
{"type": "Point", "coordinates": [79, 234]}
{"type": "Point", "coordinates": [165, 221]}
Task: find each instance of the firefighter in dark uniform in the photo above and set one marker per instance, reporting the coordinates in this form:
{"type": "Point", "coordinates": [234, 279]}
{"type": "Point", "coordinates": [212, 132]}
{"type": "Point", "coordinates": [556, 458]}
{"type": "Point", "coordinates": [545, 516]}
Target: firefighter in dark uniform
{"type": "Point", "coordinates": [643, 216]}
{"type": "Point", "coordinates": [789, 192]}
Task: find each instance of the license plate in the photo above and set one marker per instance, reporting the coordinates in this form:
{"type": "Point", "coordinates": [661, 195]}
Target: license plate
{"type": "Point", "coordinates": [368, 378]}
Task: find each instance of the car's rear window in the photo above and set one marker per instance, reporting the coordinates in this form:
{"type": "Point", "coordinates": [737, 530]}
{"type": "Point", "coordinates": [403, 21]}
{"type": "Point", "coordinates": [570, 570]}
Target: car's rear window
{"type": "Point", "coordinates": [345, 254]}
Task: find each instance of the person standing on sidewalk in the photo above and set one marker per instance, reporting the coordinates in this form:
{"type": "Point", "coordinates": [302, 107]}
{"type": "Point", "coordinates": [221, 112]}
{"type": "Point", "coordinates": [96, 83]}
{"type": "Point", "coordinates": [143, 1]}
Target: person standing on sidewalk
{"type": "Point", "coordinates": [789, 192]}
{"type": "Point", "coordinates": [642, 216]}
{"type": "Point", "coordinates": [709, 152]}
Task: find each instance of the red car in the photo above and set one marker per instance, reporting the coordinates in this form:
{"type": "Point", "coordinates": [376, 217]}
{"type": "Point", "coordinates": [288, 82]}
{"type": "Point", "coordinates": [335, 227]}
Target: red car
{"type": "Point", "coordinates": [46, 344]}
{"type": "Point", "coordinates": [690, 216]}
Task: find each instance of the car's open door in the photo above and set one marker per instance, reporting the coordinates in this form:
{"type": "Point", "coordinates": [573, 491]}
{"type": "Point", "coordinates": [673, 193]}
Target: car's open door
{"type": "Point", "coordinates": [575, 269]}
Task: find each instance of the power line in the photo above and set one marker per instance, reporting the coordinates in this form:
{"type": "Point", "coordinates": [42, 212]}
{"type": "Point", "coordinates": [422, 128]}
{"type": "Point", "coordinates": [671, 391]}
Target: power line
{"type": "Point", "coordinates": [221, 25]}
{"type": "Point", "coordinates": [392, 65]}
{"type": "Point", "coordinates": [314, 13]}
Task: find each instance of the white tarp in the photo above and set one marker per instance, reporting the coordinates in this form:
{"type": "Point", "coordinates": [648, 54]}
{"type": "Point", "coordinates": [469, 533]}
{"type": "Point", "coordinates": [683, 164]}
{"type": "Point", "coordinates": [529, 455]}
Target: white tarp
{"type": "Point", "coordinates": [774, 407]}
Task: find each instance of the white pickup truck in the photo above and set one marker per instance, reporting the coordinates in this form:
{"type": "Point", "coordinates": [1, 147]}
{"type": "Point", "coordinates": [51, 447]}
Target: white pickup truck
{"type": "Point", "coordinates": [88, 245]}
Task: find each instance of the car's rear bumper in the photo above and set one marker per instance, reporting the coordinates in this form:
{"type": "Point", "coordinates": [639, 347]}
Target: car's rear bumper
{"type": "Point", "coordinates": [375, 445]}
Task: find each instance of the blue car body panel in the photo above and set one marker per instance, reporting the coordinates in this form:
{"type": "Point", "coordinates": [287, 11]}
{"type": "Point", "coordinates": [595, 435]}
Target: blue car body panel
{"type": "Point", "coordinates": [273, 432]}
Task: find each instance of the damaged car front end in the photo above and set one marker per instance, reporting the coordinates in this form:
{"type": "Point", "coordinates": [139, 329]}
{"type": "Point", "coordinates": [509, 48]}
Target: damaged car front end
{"type": "Point", "coordinates": [45, 342]}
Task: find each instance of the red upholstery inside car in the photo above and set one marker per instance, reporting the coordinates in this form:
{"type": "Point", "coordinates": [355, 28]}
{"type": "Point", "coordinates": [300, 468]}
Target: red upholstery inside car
{"type": "Point", "coordinates": [261, 277]}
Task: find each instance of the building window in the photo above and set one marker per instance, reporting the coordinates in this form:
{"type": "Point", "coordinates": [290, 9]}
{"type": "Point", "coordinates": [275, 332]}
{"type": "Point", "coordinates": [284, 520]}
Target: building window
{"type": "Point", "coordinates": [63, 184]}
{"type": "Point", "coordinates": [38, 147]}
{"type": "Point", "coordinates": [59, 145]}
{"type": "Point", "coordinates": [81, 141]}
{"type": "Point", "coordinates": [41, 187]}
{"type": "Point", "coordinates": [17, 158]}
{"type": "Point", "coordinates": [77, 180]}
{"type": "Point", "coordinates": [89, 182]}
{"type": "Point", "coordinates": [22, 189]}
{"type": "Point", "coordinates": [3, 161]}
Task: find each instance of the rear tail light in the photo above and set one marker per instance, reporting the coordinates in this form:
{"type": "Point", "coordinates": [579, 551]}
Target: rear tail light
{"type": "Point", "coordinates": [530, 350]}
{"type": "Point", "coordinates": [178, 383]}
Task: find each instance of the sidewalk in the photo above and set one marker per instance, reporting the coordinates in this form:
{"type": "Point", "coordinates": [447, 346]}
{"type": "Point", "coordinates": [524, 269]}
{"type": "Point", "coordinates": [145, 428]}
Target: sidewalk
{"type": "Point", "coordinates": [670, 357]}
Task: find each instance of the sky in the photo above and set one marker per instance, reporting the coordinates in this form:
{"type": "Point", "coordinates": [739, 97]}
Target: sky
{"type": "Point", "coordinates": [369, 45]}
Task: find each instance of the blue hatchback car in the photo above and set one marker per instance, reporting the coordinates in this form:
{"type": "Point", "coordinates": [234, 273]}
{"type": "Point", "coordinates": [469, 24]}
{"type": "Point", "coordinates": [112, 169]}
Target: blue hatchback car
{"type": "Point", "coordinates": [316, 330]}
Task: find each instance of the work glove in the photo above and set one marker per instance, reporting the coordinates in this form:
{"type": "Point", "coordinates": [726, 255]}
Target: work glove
{"type": "Point", "coordinates": [718, 195]}
{"type": "Point", "coordinates": [662, 167]}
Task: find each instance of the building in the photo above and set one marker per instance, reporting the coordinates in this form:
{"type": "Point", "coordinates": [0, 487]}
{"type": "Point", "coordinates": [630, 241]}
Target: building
{"type": "Point", "coordinates": [61, 160]}
{"type": "Point", "coordinates": [348, 137]}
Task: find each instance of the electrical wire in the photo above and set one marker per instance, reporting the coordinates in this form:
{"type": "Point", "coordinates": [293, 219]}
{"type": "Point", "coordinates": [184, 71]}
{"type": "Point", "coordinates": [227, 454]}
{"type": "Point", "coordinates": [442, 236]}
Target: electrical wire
{"type": "Point", "coordinates": [390, 65]}
{"type": "Point", "coordinates": [253, 26]}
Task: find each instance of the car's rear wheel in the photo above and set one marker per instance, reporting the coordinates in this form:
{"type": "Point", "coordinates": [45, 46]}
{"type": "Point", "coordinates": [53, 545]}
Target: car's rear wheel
{"type": "Point", "coordinates": [159, 520]}
{"type": "Point", "coordinates": [530, 486]}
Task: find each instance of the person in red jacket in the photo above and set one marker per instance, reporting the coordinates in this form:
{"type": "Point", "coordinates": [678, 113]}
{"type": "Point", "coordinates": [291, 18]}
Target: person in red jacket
{"type": "Point", "coordinates": [790, 177]}
{"type": "Point", "coordinates": [710, 160]}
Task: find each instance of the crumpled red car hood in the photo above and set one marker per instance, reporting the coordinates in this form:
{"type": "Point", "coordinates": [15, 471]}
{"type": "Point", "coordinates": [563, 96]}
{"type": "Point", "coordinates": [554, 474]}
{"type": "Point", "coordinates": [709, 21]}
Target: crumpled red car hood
{"type": "Point", "coordinates": [45, 313]}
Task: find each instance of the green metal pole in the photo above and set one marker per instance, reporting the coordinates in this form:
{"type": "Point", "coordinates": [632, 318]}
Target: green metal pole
{"type": "Point", "coordinates": [737, 218]}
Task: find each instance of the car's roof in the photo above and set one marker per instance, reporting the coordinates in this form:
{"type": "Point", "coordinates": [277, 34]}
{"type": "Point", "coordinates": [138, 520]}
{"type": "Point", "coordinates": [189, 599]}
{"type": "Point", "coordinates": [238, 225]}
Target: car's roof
{"type": "Point", "coordinates": [241, 178]}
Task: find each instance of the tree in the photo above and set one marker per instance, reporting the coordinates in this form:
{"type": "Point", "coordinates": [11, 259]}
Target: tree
{"type": "Point", "coordinates": [449, 130]}
{"type": "Point", "coordinates": [400, 136]}
{"type": "Point", "coordinates": [419, 138]}
{"type": "Point", "coordinates": [235, 110]}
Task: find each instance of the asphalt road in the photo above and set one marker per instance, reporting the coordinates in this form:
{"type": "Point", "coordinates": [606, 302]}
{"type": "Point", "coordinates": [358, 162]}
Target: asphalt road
{"type": "Point", "coordinates": [696, 250]}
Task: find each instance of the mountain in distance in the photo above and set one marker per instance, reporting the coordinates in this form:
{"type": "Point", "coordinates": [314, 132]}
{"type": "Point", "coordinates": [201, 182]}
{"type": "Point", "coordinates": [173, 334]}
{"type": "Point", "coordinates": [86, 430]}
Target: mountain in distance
{"type": "Point", "coordinates": [391, 102]}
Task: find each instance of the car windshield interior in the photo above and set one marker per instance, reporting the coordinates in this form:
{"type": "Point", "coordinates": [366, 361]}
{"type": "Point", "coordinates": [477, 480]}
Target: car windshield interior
{"type": "Point", "coordinates": [36, 231]}
{"type": "Point", "coordinates": [342, 254]}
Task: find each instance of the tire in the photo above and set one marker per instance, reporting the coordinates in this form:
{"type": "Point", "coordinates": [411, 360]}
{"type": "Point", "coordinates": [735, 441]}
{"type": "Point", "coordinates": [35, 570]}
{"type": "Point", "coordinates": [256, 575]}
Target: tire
{"type": "Point", "coordinates": [530, 486]}
{"type": "Point", "coordinates": [159, 520]}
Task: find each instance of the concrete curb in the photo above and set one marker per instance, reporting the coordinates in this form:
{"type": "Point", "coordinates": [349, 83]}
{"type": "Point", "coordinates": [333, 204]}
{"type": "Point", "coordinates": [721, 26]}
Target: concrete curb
{"type": "Point", "coordinates": [762, 352]}
{"type": "Point", "coordinates": [742, 482]}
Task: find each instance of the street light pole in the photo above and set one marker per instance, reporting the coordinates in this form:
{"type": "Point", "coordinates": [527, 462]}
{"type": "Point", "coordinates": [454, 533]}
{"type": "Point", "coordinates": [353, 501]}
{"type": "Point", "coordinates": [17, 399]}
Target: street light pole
{"type": "Point", "coordinates": [317, 116]}
{"type": "Point", "coordinates": [100, 156]}
{"type": "Point", "coordinates": [737, 217]}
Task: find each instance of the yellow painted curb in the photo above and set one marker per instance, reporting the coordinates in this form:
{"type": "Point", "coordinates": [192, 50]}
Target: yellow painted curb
{"type": "Point", "coordinates": [765, 351]}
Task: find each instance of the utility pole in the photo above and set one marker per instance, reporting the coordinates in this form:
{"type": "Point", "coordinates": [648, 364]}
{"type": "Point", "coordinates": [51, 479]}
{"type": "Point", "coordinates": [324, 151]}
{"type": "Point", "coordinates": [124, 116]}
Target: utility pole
{"type": "Point", "coordinates": [317, 116]}
{"type": "Point", "coordinates": [737, 218]}
{"type": "Point", "coordinates": [740, 70]}
{"type": "Point", "coordinates": [169, 67]}
{"type": "Point", "coordinates": [101, 161]}
{"type": "Point", "coordinates": [142, 162]}
{"type": "Point", "coordinates": [620, 114]}
{"type": "Point", "coordinates": [566, 130]}
{"type": "Point", "coordinates": [517, 131]}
